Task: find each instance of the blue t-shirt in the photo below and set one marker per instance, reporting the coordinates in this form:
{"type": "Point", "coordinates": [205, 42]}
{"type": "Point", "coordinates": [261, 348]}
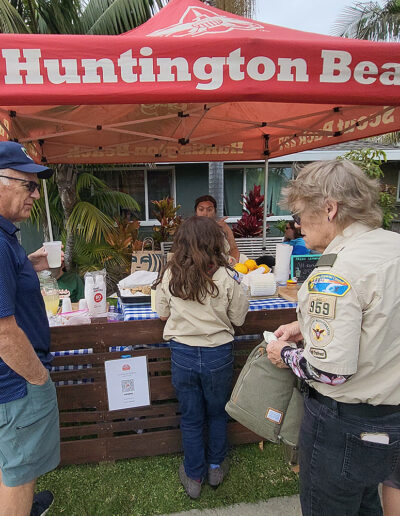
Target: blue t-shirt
{"type": "Point", "coordinates": [299, 246]}
{"type": "Point", "coordinates": [20, 296]}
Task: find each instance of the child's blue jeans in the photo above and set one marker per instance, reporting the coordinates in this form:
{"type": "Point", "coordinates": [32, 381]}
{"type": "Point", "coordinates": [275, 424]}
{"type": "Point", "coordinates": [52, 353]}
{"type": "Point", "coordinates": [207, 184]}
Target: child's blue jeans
{"type": "Point", "coordinates": [202, 378]}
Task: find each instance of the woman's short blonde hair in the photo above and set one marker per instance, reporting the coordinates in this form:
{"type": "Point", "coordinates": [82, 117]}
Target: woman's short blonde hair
{"type": "Point", "coordinates": [357, 194]}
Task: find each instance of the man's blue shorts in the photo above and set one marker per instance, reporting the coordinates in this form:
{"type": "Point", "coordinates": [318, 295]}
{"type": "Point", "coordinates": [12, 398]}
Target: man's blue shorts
{"type": "Point", "coordinates": [29, 435]}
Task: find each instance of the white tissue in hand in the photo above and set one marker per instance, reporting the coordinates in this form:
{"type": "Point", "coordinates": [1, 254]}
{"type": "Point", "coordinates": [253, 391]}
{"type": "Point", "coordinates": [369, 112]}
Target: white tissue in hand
{"type": "Point", "coordinates": [270, 336]}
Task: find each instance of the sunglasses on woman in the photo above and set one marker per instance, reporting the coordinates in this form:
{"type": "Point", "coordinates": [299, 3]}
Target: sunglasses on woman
{"type": "Point", "coordinates": [296, 218]}
{"type": "Point", "coordinates": [31, 186]}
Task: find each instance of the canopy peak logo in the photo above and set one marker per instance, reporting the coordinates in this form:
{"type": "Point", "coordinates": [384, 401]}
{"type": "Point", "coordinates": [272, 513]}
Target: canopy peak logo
{"type": "Point", "coordinates": [197, 21]}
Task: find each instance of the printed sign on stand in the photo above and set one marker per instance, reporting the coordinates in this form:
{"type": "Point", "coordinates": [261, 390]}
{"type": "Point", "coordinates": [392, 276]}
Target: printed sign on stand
{"type": "Point", "coordinates": [127, 383]}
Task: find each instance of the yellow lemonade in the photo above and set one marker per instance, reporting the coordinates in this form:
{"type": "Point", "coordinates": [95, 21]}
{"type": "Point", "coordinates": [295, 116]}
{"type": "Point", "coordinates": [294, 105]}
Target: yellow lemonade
{"type": "Point", "coordinates": [51, 302]}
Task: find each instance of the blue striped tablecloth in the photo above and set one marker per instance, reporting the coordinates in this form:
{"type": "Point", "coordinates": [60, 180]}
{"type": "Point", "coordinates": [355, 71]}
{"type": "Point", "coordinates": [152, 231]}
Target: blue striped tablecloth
{"type": "Point", "coordinates": [141, 312]}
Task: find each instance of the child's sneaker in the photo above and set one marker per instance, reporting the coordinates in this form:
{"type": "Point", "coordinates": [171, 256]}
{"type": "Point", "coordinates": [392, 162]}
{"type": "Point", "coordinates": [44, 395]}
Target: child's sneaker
{"type": "Point", "coordinates": [192, 487]}
{"type": "Point", "coordinates": [216, 475]}
{"type": "Point", "coordinates": [41, 503]}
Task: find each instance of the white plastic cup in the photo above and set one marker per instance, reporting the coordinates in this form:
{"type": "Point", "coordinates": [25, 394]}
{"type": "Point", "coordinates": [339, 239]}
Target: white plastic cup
{"type": "Point", "coordinates": [53, 250]}
{"type": "Point", "coordinates": [66, 305]}
{"type": "Point", "coordinates": [83, 304]}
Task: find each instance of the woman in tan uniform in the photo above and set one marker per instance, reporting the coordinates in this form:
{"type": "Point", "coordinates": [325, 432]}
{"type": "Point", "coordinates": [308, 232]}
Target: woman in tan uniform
{"type": "Point", "coordinates": [348, 318]}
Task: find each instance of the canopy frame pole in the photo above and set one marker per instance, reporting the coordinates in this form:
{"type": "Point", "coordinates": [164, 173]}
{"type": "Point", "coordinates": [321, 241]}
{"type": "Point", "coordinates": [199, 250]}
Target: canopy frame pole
{"type": "Point", "coordinates": [46, 202]}
{"type": "Point", "coordinates": [266, 152]}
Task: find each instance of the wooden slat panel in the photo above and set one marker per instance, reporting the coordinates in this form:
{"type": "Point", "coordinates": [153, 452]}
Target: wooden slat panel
{"type": "Point", "coordinates": [87, 403]}
{"type": "Point", "coordinates": [139, 445]}
{"type": "Point", "coordinates": [84, 451]}
{"type": "Point", "coordinates": [155, 410]}
{"type": "Point", "coordinates": [130, 425]}
{"type": "Point", "coordinates": [87, 395]}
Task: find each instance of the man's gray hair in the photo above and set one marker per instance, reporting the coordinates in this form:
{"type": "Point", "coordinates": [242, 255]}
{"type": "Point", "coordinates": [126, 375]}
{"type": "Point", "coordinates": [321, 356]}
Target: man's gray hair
{"type": "Point", "coordinates": [343, 181]}
{"type": "Point", "coordinates": [4, 180]}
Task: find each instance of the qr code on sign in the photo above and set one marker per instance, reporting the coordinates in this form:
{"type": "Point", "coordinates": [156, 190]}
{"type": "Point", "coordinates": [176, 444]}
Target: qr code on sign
{"type": "Point", "coordinates": [127, 386]}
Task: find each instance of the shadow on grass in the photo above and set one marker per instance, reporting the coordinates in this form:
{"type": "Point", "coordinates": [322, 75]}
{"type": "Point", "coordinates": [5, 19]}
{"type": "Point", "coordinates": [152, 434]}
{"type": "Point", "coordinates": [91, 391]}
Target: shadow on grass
{"type": "Point", "coordinates": [149, 486]}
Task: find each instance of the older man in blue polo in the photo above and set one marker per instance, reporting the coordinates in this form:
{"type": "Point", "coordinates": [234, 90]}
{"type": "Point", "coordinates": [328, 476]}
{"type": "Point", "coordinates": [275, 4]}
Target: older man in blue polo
{"type": "Point", "coordinates": [29, 428]}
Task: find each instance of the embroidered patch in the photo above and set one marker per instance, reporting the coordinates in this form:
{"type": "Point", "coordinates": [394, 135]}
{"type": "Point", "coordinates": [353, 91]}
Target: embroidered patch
{"type": "Point", "coordinates": [330, 284]}
{"type": "Point", "coordinates": [321, 333]}
{"type": "Point", "coordinates": [318, 353]}
{"type": "Point", "coordinates": [275, 416]}
{"type": "Point", "coordinates": [322, 306]}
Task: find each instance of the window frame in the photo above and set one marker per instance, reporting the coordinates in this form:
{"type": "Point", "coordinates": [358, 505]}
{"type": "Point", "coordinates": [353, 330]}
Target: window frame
{"type": "Point", "coordinates": [244, 166]}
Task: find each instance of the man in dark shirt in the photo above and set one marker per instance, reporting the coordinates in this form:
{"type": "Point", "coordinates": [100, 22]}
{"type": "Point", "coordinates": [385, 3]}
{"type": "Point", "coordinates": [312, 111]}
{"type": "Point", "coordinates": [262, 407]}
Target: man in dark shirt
{"type": "Point", "coordinates": [29, 428]}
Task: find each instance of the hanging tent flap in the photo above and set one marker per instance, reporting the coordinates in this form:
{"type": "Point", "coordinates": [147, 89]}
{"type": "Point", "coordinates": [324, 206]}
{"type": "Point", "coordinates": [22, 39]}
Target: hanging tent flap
{"type": "Point", "coordinates": [194, 83]}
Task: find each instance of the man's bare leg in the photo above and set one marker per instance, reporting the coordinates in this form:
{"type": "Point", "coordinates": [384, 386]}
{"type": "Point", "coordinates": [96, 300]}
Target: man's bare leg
{"type": "Point", "coordinates": [16, 501]}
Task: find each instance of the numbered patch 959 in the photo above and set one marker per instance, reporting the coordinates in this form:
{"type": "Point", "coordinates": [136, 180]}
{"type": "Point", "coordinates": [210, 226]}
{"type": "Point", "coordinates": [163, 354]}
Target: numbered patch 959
{"type": "Point", "coordinates": [321, 306]}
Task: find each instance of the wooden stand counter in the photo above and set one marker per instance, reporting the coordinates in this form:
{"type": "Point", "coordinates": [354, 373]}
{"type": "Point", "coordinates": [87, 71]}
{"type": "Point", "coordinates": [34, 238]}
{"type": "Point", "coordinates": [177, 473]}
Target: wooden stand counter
{"type": "Point", "coordinates": [89, 431]}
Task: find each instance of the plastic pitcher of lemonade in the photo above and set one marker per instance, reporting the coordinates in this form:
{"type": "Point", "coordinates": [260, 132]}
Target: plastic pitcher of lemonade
{"type": "Point", "coordinates": [49, 290]}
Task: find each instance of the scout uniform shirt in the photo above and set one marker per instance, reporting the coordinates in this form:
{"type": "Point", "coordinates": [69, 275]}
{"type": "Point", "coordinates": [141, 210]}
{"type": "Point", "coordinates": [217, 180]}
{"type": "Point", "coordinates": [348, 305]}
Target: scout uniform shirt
{"type": "Point", "coordinates": [208, 324]}
{"type": "Point", "coordinates": [349, 315]}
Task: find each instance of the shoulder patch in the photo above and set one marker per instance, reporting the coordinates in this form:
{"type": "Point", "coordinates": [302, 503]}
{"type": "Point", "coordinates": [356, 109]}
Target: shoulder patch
{"type": "Point", "coordinates": [330, 284]}
{"type": "Point", "coordinates": [321, 306]}
{"type": "Point", "coordinates": [326, 260]}
{"type": "Point", "coordinates": [321, 332]}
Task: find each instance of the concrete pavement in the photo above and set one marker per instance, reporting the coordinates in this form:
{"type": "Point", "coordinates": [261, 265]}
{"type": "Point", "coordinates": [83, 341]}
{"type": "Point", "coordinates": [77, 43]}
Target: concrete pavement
{"type": "Point", "coordinates": [282, 506]}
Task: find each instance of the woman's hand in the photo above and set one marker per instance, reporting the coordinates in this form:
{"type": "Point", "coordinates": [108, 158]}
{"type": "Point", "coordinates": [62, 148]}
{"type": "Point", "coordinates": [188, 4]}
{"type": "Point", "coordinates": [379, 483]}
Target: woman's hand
{"type": "Point", "coordinates": [274, 349]}
{"type": "Point", "coordinates": [289, 332]}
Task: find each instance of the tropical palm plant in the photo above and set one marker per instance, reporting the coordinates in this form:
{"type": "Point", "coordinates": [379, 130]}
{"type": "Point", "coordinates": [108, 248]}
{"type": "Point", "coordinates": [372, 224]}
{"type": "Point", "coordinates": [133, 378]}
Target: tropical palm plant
{"type": "Point", "coordinates": [374, 22]}
{"type": "Point", "coordinates": [91, 220]}
{"type": "Point", "coordinates": [370, 21]}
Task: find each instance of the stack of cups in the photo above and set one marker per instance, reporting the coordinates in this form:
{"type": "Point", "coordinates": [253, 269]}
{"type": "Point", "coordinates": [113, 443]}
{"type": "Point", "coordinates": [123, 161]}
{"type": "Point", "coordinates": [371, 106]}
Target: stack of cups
{"type": "Point", "coordinates": [66, 305]}
{"type": "Point", "coordinates": [282, 263]}
{"type": "Point", "coordinates": [83, 304]}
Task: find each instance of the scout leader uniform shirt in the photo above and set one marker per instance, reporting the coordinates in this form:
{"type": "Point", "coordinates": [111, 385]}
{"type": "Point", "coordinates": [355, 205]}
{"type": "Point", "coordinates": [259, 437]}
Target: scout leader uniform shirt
{"type": "Point", "coordinates": [208, 324]}
{"type": "Point", "coordinates": [349, 315]}
{"type": "Point", "coordinates": [20, 296]}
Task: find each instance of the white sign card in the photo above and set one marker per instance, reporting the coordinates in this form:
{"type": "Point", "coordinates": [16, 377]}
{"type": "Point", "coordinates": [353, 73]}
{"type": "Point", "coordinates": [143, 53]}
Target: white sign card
{"type": "Point", "coordinates": [127, 383]}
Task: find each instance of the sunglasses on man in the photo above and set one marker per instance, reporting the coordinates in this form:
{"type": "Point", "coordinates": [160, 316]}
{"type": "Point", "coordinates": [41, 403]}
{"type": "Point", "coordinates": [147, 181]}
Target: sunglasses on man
{"type": "Point", "coordinates": [31, 186]}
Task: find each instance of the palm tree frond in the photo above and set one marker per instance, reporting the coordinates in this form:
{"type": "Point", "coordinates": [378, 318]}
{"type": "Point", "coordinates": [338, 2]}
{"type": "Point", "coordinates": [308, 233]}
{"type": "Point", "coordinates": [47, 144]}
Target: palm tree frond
{"type": "Point", "coordinates": [370, 21]}
{"type": "Point", "coordinates": [11, 20]}
{"type": "Point", "coordinates": [117, 16]}
{"type": "Point", "coordinates": [86, 181]}
{"type": "Point", "coordinates": [89, 222]}
{"type": "Point", "coordinates": [111, 202]}
{"type": "Point", "coordinates": [53, 19]}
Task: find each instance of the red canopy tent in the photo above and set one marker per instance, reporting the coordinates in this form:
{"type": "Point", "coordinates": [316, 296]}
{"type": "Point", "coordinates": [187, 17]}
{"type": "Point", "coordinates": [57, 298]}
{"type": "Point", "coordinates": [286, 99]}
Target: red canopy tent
{"type": "Point", "coordinates": [194, 84]}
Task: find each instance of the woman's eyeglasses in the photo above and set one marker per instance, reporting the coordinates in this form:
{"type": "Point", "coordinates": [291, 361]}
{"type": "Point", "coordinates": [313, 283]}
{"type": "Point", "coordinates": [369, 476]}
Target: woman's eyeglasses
{"type": "Point", "coordinates": [31, 186]}
{"type": "Point", "coordinates": [296, 218]}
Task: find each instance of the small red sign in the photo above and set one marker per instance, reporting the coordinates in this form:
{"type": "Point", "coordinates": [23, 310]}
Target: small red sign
{"type": "Point", "coordinates": [126, 367]}
{"type": "Point", "coordinates": [98, 297]}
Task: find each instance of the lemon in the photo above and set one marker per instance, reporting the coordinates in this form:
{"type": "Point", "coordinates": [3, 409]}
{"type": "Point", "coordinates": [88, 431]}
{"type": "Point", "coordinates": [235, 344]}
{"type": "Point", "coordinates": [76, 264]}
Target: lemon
{"type": "Point", "coordinates": [267, 269]}
{"type": "Point", "coordinates": [241, 267]}
{"type": "Point", "coordinates": [251, 265]}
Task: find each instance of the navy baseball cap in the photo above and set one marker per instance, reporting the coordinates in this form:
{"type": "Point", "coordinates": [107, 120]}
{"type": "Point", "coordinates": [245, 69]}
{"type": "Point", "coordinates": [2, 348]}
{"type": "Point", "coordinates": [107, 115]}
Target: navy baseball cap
{"type": "Point", "coordinates": [14, 155]}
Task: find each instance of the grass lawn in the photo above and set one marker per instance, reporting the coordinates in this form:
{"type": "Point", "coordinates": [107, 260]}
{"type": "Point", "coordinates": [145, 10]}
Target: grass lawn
{"type": "Point", "coordinates": [148, 486]}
